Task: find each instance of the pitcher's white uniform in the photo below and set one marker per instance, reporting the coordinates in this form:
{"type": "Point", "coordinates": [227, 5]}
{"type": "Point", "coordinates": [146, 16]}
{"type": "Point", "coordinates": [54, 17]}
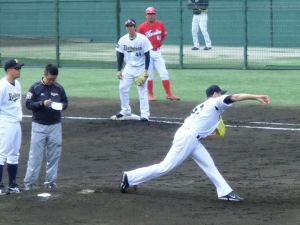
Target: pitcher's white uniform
{"type": "Point", "coordinates": [10, 117]}
{"type": "Point", "coordinates": [187, 142]}
{"type": "Point", "coordinates": [134, 57]}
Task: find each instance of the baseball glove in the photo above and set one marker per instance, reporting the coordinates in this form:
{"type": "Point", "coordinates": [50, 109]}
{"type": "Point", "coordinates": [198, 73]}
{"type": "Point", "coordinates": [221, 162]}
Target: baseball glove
{"type": "Point", "coordinates": [221, 129]}
{"type": "Point", "coordinates": [141, 79]}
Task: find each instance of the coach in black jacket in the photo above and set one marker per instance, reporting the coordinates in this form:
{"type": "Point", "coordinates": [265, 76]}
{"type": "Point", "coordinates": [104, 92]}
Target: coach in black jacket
{"type": "Point", "coordinates": [46, 98]}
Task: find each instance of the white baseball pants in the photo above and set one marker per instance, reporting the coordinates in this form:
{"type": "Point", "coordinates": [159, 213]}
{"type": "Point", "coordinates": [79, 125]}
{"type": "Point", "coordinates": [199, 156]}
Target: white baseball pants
{"type": "Point", "coordinates": [184, 145]}
{"type": "Point", "coordinates": [128, 76]}
{"type": "Point", "coordinates": [157, 63]}
{"type": "Point", "coordinates": [10, 142]}
{"type": "Point", "coordinates": [200, 21]}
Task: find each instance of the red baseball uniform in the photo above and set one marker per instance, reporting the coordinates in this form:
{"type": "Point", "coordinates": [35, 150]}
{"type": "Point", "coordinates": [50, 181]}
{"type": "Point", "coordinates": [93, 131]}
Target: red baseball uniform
{"type": "Point", "coordinates": [155, 32]}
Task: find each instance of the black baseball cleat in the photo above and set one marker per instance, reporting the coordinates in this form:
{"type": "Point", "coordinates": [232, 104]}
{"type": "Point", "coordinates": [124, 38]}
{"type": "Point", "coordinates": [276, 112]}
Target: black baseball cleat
{"type": "Point", "coordinates": [233, 197]}
{"type": "Point", "coordinates": [124, 184]}
{"type": "Point", "coordinates": [119, 115]}
{"type": "Point", "coordinates": [195, 48]}
{"type": "Point", "coordinates": [50, 185]}
{"type": "Point", "coordinates": [14, 188]}
{"type": "Point", "coordinates": [206, 48]}
{"type": "Point", "coordinates": [143, 119]}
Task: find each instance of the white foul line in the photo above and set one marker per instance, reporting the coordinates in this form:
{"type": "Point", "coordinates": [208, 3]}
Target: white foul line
{"type": "Point", "coordinates": [167, 120]}
{"type": "Point", "coordinates": [284, 124]}
{"type": "Point", "coordinates": [265, 128]}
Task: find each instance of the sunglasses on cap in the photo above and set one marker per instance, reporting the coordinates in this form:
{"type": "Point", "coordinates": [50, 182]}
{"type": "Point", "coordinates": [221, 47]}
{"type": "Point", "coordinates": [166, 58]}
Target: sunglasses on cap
{"type": "Point", "coordinates": [130, 23]}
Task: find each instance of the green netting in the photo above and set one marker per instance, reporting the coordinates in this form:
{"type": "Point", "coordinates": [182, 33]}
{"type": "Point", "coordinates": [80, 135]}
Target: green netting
{"type": "Point", "coordinates": [253, 33]}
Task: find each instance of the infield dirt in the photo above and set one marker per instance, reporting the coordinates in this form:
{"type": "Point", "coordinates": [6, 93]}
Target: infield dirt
{"type": "Point", "coordinates": [261, 164]}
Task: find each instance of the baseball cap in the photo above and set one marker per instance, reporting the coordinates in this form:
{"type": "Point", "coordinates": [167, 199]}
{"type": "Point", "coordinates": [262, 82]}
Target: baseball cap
{"type": "Point", "coordinates": [150, 10]}
{"type": "Point", "coordinates": [13, 63]}
{"type": "Point", "coordinates": [214, 88]}
{"type": "Point", "coordinates": [130, 22]}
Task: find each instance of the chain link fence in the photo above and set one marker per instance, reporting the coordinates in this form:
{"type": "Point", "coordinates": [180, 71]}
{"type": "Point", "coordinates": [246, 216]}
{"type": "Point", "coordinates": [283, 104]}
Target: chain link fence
{"type": "Point", "coordinates": [249, 34]}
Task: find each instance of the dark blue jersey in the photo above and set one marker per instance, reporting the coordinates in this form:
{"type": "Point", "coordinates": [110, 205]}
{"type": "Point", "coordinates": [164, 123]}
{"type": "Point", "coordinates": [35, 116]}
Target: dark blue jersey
{"type": "Point", "coordinates": [37, 94]}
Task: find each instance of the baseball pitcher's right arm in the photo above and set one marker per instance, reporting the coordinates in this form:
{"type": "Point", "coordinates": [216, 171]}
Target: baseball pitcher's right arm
{"type": "Point", "coordinates": [264, 99]}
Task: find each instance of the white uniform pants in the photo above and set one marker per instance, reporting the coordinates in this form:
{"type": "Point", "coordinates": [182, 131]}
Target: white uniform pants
{"type": "Point", "coordinates": [184, 145]}
{"type": "Point", "coordinates": [157, 63]}
{"type": "Point", "coordinates": [128, 76]}
{"type": "Point", "coordinates": [10, 142]}
{"type": "Point", "coordinates": [200, 21]}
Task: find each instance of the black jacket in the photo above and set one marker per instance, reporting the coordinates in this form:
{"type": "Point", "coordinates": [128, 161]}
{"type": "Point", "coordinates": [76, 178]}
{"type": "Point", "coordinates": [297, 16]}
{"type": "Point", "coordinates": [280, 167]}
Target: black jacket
{"type": "Point", "coordinates": [197, 5]}
{"type": "Point", "coordinates": [37, 94]}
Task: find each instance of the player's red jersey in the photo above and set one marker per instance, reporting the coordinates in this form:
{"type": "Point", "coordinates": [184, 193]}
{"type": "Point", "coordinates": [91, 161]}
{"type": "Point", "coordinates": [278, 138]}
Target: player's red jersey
{"type": "Point", "coordinates": [155, 32]}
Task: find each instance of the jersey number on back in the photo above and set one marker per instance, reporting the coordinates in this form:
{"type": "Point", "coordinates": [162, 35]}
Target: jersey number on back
{"type": "Point", "coordinates": [197, 109]}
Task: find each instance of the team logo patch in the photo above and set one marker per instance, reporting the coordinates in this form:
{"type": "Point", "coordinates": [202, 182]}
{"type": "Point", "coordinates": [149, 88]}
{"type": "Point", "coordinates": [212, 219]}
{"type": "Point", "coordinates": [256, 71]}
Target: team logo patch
{"type": "Point", "coordinates": [132, 48]}
{"type": "Point", "coordinates": [13, 97]}
{"type": "Point", "coordinates": [54, 94]}
{"type": "Point", "coordinates": [28, 95]}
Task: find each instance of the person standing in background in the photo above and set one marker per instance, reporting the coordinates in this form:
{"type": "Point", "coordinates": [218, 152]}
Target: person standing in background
{"type": "Point", "coordinates": [10, 128]}
{"type": "Point", "coordinates": [46, 98]}
{"type": "Point", "coordinates": [156, 32]}
{"type": "Point", "coordinates": [134, 49]}
{"type": "Point", "coordinates": [200, 10]}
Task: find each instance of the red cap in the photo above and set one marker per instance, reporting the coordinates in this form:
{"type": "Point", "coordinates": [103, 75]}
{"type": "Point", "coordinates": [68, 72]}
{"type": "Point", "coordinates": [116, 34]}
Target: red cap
{"type": "Point", "coordinates": [150, 10]}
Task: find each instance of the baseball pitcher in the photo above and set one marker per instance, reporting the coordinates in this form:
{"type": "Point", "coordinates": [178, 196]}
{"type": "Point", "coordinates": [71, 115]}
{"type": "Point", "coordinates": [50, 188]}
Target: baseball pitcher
{"type": "Point", "coordinates": [187, 142]}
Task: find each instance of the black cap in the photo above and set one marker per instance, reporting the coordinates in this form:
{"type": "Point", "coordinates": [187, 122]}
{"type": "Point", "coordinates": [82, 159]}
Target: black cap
{"type": "Point", "coordinates": [212, 89]}
{"type": "Point", "coordinates": [13, 63]}
{"type": "Point", "coordinates": [130, 22]}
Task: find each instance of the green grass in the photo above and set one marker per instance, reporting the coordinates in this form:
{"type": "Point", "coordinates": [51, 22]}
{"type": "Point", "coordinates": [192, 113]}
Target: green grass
{"type": "Point", "coordinates": [282, 86]}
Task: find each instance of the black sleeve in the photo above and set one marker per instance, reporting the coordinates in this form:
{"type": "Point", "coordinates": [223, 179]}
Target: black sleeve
{"type": "Point", "coordinates": [31, 102]}
{"type": "Point", "coordinates": [228, 100]}
{"type": "Point", "coordinates": [64, 99]}
{"type": "Point", "coordinates": [147, 60]}
{"type": "Point", "coordinates": [120, 60]}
